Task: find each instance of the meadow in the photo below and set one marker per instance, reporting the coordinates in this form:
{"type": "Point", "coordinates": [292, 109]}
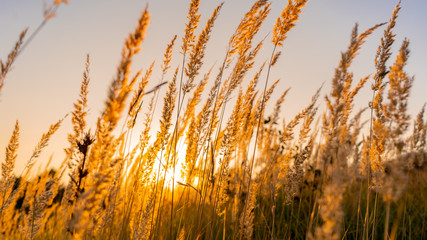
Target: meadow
{"type": "Point", "coordinates": [223, 162]}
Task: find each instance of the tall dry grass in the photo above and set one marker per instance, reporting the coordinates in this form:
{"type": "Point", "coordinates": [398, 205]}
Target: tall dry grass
{"type": "Point", "coordinates": [252, 175]}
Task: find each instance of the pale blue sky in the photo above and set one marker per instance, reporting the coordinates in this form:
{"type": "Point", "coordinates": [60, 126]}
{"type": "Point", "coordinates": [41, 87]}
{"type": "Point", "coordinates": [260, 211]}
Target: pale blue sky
{"type": "Point", "coordinates": [46, 77]}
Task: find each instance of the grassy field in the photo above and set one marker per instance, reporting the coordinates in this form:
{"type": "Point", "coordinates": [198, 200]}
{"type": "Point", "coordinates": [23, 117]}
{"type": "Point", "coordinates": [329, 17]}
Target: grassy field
{"type": "Point", "coordinates": [205, 174]}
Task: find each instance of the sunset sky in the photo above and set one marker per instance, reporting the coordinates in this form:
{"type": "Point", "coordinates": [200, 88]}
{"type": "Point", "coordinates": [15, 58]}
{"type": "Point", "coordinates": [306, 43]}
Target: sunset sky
{"type": "Point", "coordinates": [45, 80]}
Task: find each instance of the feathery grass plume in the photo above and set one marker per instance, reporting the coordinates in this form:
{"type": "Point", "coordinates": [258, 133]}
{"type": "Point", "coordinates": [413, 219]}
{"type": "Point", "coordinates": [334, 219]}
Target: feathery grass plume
{"type": "Point", "coordinates": [206, 113]}
{"type": "Point", "coordinates": [167, 56]}
{"type": "Point", "coordinates": [248, 103]}
{"type": "Point", "coordinates": [418, 139]}
{"type": "Point", "coordinates": [342, 80]}
{"type": "Point", "coordinates": [9, 164]}
{"type": "Point", "coordinates": [251, 92]}
{"type": "Point", "coordinates": [306, 125]}
{"type": "Point", "coordinates": [7, 65]}
{"type": "Point", "coordinates": [379, 133]}
{"type": "Point", "coordinates": [241, 40]}
{"type": "Point", "coordinates": [349, 98]}
{"type": "Point", "coordinates": [191, 152]}
{"type": "Point", "coordinates": [193, 102]}
{"type": "Point", "coordinates": [7, 178]}
{"type": "Point", "coordinates": [241, 119]}
{"type": "Point", "coordinates": [41, 145]}
{"type": "Point", "coordinates": [193, 22]}
{"type": "Point", "coordinates": [330, 205]}
{"type": "Point", "coordinates": [286, 21]}
{"type": "Point", "coordinates": [387, 114]}
{"type": "Point", "coordinates": [145, 136]}
{"type": "Point", "coordinates": [78, 115]}
{"type": "Point", "coordinates": [384, 50]}
{"type": "Point", "coordinates": [187, 44]}
{"type": "Point", "coordinates": [260, 105]}
{"type": "Point", "coordinates": [136, 94]}
{"type": "Point", "coordinates": [224, 191]}
{"type": "Point", "coordinates": [287, 133]}
{"type": "Point", "coordinates": [117, 197]}
{"type": "Point", "coordinates": [136, 102]}
{"type": "Point", "coordinates": [396, 110]}
{"type": "Point", "coordinates": [275, 58]}
{"type": "Point", "coordinates": [381, 58]}
{"type": "Point", "coordinates": [162, 137]}
{"type": "Point", "coordinates": [199, 142]}
{"type": "Point", "coordinates": [106, 208]}
{"type": "Point", "coordinates": [259, 114]}
{"type": "Point", "coordinates": [198, 52]}
{"type": "Point", "coordinates": [81, 107]}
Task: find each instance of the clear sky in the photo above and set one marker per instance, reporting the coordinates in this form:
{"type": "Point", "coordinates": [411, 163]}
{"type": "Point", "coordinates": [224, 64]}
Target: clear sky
{"type": "Point", "coordinates": [46, 77]}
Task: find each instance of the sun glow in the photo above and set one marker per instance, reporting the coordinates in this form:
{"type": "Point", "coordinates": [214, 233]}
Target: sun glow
{"type": "Point", "coordinates": [174, 178]}
{"type": "Point", "coordinates": [170, 174]}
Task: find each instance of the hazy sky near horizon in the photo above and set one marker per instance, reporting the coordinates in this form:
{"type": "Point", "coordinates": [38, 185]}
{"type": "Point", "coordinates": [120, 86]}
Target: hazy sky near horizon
{"type": "Point", "coordinates": [46, 78]}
